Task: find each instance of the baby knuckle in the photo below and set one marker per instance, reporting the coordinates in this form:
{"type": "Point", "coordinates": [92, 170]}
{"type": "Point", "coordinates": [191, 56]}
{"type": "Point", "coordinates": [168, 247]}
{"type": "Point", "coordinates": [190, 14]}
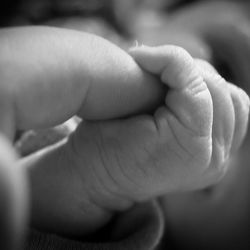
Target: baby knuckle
{"type": "Point", "coordinates": [197, 84]}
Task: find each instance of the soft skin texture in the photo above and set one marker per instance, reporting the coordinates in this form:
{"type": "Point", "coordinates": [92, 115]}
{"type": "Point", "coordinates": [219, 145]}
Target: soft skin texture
{"type": "Point", "coordinates": [45, 67]}
{"type": "Point", "coordinates": [107, 166]}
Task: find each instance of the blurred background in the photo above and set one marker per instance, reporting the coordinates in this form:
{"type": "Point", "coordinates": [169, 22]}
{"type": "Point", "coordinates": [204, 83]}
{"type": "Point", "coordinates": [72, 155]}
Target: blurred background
{"type": "Point", "coordinates": [213, 30]}
{"type": "Point", "coordinates": [217, 31]}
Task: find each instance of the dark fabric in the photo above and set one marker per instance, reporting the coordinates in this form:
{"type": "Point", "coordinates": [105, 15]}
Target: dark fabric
{"type": "Point", "coordinates": [140, 228]}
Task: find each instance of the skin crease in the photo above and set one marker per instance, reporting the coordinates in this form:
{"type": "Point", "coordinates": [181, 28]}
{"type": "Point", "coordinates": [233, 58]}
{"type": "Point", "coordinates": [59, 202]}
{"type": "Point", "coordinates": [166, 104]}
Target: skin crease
{"type": "Point", "coordinates": [107, 166]}
{"type": "Point", "coordinates": [208, 219]}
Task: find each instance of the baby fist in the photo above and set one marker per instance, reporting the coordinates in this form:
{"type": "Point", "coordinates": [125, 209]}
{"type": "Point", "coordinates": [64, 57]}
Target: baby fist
{"type": "Point", "coordinates": [184, 145]}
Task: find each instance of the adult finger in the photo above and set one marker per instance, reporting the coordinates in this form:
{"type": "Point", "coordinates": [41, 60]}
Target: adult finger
{"type": "Point", "coordinates": [54, 73]}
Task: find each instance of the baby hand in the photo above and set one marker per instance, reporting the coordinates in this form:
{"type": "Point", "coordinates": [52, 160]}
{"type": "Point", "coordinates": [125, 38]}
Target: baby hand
{"type": "Point", "coordinates": [106, 166]}
{"type": "Point", "coordinates": [205, 116]}
{"type": "Point", "coordinates": [183, 146]}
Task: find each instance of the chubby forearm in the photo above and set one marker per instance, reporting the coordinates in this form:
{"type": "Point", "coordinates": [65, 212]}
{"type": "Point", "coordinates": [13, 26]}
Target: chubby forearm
{"type": "Point", "coordinates": [61, 200]}
{"type": "Point", "coordinates": [55, 73]}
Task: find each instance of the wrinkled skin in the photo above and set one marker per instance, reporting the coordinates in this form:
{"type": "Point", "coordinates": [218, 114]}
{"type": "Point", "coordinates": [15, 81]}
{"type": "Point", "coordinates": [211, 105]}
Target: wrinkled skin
{"type": "Point", "coordinates": [106, 166]}
{"type": "Point", "coordinates": [208, 219]}
{"type": "Point", "coordinates": [181, 137]}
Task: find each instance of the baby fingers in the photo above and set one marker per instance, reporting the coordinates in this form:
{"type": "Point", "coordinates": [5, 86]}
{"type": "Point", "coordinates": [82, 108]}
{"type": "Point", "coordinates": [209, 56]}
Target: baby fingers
{"type": "Point", "coordinates": [223, 113]}
{"type": "Point", "coordinates": [205, 116]}
{"type": "Point", "coordinates": [230, 116]}
{"type": "Point", "coordinates": [241, 110]}
{"type": "Point", "coordinates": [188, 98]}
